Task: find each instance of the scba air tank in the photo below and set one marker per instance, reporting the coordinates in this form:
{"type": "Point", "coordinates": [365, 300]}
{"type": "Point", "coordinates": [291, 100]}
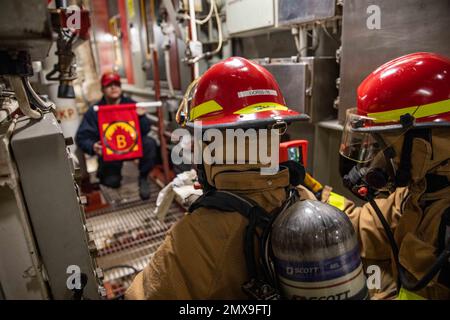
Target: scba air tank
{"type": "Point", "coordinates": [316, 253]}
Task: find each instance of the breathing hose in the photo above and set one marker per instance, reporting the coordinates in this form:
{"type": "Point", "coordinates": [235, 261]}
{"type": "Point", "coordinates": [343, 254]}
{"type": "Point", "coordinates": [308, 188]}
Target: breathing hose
{"type": "Point", "coordinates": [402, 278]}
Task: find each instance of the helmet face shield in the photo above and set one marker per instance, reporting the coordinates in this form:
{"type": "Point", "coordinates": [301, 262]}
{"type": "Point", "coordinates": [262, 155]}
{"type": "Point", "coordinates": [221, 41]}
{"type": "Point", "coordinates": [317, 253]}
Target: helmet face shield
{"type": "Point", "coordinates": [361, 140]}
{"type": "Point", "coordinates": [367, 155]}
{"type": "Point", "coordinates": [357, 144]}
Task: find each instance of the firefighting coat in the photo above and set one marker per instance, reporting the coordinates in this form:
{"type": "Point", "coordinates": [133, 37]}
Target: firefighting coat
{"type": "Point", "coordinates": [202, 256]}
{"type": "Point", "coordinates": [415, 215]}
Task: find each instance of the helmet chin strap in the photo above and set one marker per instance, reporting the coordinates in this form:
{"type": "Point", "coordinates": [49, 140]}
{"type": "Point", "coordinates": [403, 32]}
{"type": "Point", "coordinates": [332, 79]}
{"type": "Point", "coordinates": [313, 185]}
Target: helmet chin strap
{"type": "Point", "coordinates": [403, 176]}
{"type": "Point", "coordinates": [389, 154]}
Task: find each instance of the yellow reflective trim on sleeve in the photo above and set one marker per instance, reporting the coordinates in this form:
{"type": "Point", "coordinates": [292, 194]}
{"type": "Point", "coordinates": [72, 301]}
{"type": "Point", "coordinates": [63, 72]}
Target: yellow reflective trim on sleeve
{"type": "Point", "coordinates": [204, 108]}
{"type": "Point", "coordinates": [408, 295]}
{"type": "Point", "coordinates": [260, 107]}
{"type": "Point", "coordinates": [422, 111]}
{"type": "Point", "coordinates": [312, 183]}
{"type": "Point", "coordinates": [336, 200]}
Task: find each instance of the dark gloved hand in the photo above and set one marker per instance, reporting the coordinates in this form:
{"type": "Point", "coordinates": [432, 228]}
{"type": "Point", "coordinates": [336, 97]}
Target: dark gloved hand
{"type": "Point", "coordinates": [297, 172]}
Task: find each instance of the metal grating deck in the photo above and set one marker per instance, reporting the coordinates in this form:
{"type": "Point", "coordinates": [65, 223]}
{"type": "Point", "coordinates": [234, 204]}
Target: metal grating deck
{"type": "Point", "coordinates": [127, 233]}
{"type": "Point", "coordinates": [125, 228]}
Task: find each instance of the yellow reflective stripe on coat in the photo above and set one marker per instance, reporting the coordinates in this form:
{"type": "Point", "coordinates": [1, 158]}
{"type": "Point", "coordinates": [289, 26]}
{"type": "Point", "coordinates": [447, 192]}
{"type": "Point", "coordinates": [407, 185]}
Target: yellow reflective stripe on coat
{"type": "Point", "coordinates": [312, 183]}
{"type": "Point", "coordinates": [260, 107]}
{"type": "Point", "coordinates": [408, 295]}
{"type": "Point", "coordinates": [336, 200]}
{"type": "Point", "coordinates": [204, 108]}
{"type": "Point", "coordinates": [422, 111]}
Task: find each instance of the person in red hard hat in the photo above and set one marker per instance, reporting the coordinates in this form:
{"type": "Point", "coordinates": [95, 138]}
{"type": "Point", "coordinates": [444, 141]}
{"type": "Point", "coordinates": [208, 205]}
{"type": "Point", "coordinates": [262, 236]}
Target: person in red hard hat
{"type": "Point", "coordinates": [88, 138]}
{"type": "Point", "coordinates": [111, 87]}
{"type": "Point", "coordinates": [204, 256]}
{"type": "Point", "coordinates": [395, 154]}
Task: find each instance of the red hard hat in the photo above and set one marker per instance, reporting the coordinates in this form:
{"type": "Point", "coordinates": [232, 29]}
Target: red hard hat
{"type": "Point", "coordinates": [237, 93]}
{"type": "Point", "coordinates": [417, 84]}
{"type": "Point", "coordinates": [109, 78]}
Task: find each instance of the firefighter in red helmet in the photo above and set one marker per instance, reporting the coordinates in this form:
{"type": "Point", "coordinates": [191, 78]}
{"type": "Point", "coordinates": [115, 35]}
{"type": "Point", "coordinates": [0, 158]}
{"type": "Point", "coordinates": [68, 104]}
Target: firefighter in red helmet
{"type": "Point", "coordinates": [237, 94]}
{"type": "Point", "coordinates": [204, 255]}
{"type": "Point", "coordinates": [395, 154]}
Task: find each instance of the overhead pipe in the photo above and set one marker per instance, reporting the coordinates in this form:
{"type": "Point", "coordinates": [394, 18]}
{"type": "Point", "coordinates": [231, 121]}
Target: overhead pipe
{"type": "Point", "coordinates": [194, 38]}
{"type": "Point", "coordinates": [172, 15]}
{"type": "Point", "coordinates": [303, 41]}
{"type": "Point", "coordinates": [168, 71]}
{"type": "Point", "coordinates": [219, 30]}
{"type": "Point", "coordinates": [167, 30]}
{"type": "Point", "coordinates": [157, 89]}
{"type": "Point", "coordinates": [145, 23]}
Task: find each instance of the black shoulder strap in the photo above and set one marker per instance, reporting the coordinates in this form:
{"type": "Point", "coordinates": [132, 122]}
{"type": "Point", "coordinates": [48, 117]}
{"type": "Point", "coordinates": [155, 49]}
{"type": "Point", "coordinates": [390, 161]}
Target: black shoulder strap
{"type": "Point", "coordinates": [404, 281]}
{"type": "Point", "coordinates": [444, 244]}
{"type": "Point", "coordinates": [231, 202]}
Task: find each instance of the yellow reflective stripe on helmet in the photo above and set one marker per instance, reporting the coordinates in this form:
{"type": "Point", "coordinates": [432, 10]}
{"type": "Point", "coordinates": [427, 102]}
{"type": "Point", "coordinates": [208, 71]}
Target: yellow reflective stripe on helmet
{"type": "Point", "coordinates": [336, 200]}
{"type": "Point", "coordinates": [204, 108]}
{"type": "Point", "coordinates": [408, 295]}
{"type": "Point", "coordinates": [262, 106]}
{"type": "Point", "coordinates": [422, 111]}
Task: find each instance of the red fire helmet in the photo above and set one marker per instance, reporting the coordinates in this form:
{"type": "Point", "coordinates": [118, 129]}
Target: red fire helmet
{"type": "Point", "coordinates": [236, 93]}
{"type": "Point", "coordinates": [417, 84]}
{"type": "Point", "coordinates": [409, 92]}
{"type": "Point", "coordinates": [109, 78]}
